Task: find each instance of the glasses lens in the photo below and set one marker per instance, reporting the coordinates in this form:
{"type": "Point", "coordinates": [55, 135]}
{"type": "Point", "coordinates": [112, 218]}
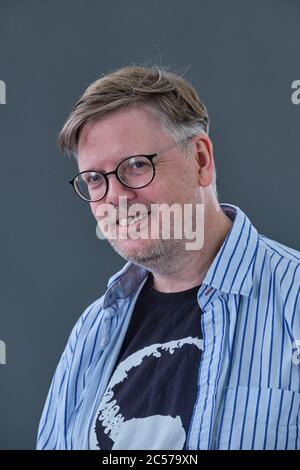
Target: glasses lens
{"type": "Point", "coordinates": [90, 186]}
{"type": "Point", "coordinates": [136, 172]}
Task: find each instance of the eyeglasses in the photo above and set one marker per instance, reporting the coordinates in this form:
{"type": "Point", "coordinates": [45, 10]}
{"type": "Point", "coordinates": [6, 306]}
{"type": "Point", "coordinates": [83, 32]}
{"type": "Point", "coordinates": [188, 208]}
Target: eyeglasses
{"type": "Point", "coordinates": [134, 172]}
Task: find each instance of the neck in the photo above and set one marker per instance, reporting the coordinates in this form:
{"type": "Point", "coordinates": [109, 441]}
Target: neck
{"type": "Point", "coordinates": [194, 265]}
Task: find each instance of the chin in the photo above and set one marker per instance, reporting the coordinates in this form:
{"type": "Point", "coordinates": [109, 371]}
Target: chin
{"type": "Point", "coordinates": [137, 250]}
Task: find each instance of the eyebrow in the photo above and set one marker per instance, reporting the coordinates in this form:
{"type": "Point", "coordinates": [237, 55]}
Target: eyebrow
{"type": "Point", "coordinates": [98, 170]}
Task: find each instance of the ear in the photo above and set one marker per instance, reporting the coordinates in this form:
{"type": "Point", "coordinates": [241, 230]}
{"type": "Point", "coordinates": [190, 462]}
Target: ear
{"type": "Point", "coordinates": [204, 158]}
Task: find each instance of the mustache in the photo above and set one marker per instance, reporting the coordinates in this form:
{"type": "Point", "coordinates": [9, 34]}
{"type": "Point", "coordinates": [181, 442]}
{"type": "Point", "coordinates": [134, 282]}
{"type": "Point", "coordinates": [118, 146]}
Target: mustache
{"type": "Point", "coordinates": [112, 214]}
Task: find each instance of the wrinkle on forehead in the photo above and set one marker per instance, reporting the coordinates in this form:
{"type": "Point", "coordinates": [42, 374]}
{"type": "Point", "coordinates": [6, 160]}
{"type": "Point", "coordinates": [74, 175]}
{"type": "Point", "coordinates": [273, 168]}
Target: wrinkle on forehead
{"type": "Point", "coordinates": [118, 135]}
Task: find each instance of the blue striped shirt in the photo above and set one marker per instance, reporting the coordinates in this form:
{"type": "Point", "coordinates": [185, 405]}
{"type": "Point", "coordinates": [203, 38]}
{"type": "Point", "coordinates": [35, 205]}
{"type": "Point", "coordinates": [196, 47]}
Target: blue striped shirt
{"type": "Point", "coordinates": [249, 375]}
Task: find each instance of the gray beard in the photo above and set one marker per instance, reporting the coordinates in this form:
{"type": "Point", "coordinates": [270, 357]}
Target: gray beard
{"type": "Point", "coordinates": [163, 258]}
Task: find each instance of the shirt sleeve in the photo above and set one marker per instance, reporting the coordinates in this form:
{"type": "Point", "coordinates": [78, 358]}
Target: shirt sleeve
{"type": "Point", "coordinates": [61, 400]}
{"type": "Point", "coordinates": [52, 427]}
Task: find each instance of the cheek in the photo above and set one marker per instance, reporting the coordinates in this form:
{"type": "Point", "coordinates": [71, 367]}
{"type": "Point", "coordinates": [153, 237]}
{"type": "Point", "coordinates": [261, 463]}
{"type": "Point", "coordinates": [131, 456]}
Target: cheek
{"type": "Point", "coordinates": [93, 206]}
{"type": "Point", "coordinates": [103, 211]}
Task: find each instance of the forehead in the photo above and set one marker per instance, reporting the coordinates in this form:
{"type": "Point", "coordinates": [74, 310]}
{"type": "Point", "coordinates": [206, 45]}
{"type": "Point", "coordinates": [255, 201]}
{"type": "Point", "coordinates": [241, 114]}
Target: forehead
{"type": "Point", "coordinates": [120, 134]}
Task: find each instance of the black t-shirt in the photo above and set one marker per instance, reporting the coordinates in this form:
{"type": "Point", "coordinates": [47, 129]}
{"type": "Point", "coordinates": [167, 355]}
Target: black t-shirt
{"type": "Point", "coordinates": [151, 394]}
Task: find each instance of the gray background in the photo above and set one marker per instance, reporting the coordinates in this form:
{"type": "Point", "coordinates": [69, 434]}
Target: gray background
{"type": "Point", "coordinates": [241, 56]}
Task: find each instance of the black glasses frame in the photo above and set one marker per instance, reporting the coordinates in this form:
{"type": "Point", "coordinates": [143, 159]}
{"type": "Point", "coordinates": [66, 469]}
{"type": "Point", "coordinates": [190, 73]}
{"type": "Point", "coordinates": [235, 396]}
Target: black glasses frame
{"type": "Point", "coordinates": [115, 172]}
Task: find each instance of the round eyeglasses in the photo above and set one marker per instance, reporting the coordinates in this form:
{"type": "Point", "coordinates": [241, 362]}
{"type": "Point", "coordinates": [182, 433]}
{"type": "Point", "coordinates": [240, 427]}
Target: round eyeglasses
{"type": "Point", "coordinates": [134, 172]}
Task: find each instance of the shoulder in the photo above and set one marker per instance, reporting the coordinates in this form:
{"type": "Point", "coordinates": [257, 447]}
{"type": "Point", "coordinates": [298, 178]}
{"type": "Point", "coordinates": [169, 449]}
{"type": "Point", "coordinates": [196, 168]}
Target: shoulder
{"type": "Point", "coordinates": [274, 247]}
{"type": "Point", "coordinates": [91, 324]}
{"type": "Point", "coordinates": [278, 268]}
{"type": "Point", "coordinates": [84, 328]}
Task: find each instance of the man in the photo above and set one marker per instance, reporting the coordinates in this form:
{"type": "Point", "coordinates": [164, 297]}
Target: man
{"type": "Point", "coordinates": [188, 348]}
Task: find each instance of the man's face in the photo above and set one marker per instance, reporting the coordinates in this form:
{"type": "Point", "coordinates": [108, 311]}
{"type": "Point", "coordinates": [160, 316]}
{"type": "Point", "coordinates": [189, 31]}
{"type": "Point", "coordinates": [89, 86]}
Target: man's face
{"type": "Point", "coordinates": [103, 144]}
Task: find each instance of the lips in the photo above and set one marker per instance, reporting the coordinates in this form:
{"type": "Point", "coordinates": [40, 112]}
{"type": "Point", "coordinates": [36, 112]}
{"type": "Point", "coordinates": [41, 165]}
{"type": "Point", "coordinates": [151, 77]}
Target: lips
{"type": "Point", "coordinates": [127, 221]}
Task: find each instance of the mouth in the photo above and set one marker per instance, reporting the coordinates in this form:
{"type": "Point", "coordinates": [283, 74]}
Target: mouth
{"type": "Point", "coordinates": [127, 221]}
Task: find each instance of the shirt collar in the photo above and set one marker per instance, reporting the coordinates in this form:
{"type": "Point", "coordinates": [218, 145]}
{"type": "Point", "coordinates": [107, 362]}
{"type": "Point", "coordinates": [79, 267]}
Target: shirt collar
{"type": "Point", "coordinates": [231, 271]}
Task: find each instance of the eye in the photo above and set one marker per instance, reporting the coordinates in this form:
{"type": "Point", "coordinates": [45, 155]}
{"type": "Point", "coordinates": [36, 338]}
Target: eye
{"type": "Point", "coordinates": [93, 178]}
{"type": "Point", "coordinates": [137, 165]}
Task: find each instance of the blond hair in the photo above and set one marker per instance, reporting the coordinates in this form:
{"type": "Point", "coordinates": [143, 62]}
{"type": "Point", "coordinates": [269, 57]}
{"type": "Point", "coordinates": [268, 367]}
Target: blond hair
{"type": "Point", "coordinates": [166, 95]}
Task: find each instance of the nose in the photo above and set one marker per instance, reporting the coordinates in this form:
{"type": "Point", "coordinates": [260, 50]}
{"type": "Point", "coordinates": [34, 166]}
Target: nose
{"type": "Point", "coordinates": [117, 189]}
